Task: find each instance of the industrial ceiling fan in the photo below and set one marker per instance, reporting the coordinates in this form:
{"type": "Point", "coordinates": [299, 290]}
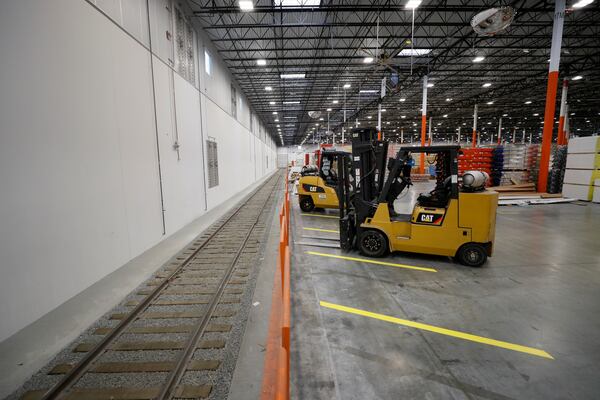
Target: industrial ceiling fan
{"type": "Point", "coordinates": [493, 20]}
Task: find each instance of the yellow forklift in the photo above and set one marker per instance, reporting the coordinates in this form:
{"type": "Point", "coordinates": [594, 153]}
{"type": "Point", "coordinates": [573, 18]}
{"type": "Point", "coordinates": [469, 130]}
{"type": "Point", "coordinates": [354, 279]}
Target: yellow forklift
{"type": "Point", "coordinates": [452, 220]}
{"type": "Point", "coordinates": [318, 184]}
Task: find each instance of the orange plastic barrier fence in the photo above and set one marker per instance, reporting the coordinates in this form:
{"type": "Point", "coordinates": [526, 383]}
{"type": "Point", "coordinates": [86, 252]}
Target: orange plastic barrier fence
{"type": "Point", "coordinates": [276, 374]}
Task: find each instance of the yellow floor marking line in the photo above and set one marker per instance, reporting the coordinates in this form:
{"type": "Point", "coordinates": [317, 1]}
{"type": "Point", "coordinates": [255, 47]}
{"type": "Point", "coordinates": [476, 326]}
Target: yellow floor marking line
{"type": "Point", "coordinates": [366, 260]}
{"type": "Point", "coordinates": [442, 331]}
{"type": "Point", "coordinates": [320, 216]}
{"type": "Point", "coordinates": [321, 230]}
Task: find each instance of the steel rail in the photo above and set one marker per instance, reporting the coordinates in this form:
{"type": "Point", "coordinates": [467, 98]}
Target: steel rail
{"type": "Point", "coordinates": [168, 391]}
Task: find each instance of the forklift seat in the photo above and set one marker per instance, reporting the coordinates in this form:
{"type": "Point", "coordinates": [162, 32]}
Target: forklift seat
{"type": "Point", "coordinates": [438, 197]}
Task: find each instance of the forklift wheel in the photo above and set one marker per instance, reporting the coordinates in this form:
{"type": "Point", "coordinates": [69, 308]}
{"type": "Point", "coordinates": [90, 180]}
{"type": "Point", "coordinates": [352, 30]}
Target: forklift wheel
{"type": "Point", "coordinates": [472, 255]}
{"type": "Point", "coordinates": [372, 243]}
{"type": "Point", "coordinates": [306, 204]}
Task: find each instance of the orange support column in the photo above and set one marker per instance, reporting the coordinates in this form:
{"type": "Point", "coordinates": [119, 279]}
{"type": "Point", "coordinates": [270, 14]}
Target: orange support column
{"type": "Point", "coordinates": [474, 141]}
{"type": "Point", "coordinates": [423, 124]}
{"type": "Point", "coordinates": [561, 140]}
{"type": "Point", "coordinates": [500, 130]}
{"type": "Point", "coordinates": [557, 29]}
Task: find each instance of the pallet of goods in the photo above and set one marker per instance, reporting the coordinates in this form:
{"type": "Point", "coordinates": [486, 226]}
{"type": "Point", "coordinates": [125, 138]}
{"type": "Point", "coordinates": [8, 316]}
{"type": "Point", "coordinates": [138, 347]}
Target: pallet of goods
{"type": "Point", "coordinates": [582, 173]}
{"type": "Point", "coordinates": [479, 159]}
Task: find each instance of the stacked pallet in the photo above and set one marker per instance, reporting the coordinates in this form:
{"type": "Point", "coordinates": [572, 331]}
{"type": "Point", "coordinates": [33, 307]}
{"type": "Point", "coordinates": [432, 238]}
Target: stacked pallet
{"type": "Point", "coordinates": [582, 174]}
{"type": "Point", "coordinates": [532, 163]}
{"type": "Point", "coordinates": [478, 159]}
{"type": "Point", "coordinates": [497, 165]}
{"type": "Point", "coordinates": [557, 170]}
{"type": "Point", "coordinates": [524, 189]}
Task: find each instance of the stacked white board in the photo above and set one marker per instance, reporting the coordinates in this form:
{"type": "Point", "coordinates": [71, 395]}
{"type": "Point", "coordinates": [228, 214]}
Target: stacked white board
{"type": "Point", "coordinates": [582, 176]}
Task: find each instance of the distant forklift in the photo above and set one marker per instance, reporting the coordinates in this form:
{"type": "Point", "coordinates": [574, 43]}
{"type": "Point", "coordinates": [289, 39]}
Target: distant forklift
{"type": "Point", "coordinates": [448, 221]}
{"type": "Point", "coordinates": [318, 184]}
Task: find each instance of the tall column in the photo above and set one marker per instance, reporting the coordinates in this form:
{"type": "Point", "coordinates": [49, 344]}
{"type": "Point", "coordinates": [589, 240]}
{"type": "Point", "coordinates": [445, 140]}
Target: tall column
{"type": "Point", "coordinates": [557, 29]}
{"type": "Point", "coordinates": [561, 140]}
{"type": "Point", "coordinates": [333, 138]}
{"type": "Point", "coordinates": [500, 130]}
{"type": "Point", "coordinates": [566, 132]}
{"type": "Point", "coordinates": [530, 137]}
{"type": "Point", "coordinates": [459, 134]}
{"type": "Point", "coordinates": [402, 135]}
{"type": "Point", "coordinates": [423, 124]}
{"type": "Point", "coordinates": [474, 140]}
{"type": "Point", "coordinates": [515, 135]}
{"type": "Point", "coordinates": [344, 124]}
{"type": "Point", "coordinates": [523, 138]}
{"type": "Point", "coordinates": [430, 137]}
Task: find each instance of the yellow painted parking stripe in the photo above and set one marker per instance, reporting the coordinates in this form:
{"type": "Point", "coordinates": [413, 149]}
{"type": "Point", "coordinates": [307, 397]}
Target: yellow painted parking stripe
{"type": "Point", "coordinates": [321, 230]}
{"type": "Point", "coordinates": [442, 331]}
{"type": "Point", "coordinates": [320, 216]}
{"type": "Point", "coordinates": [366, 260]}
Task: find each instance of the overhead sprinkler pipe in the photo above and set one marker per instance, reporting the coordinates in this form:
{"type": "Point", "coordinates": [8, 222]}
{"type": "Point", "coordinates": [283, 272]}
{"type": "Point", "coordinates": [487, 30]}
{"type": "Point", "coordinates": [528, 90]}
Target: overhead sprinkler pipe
{"type": "Point", "coordinates": [557, 30]}
{"type": "Point", "coordinates": [561, 139]}
{"type": "Point", "coordinates": [423, 124]}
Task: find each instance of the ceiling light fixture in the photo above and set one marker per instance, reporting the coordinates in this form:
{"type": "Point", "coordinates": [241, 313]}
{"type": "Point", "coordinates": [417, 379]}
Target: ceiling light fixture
{"type": "Point", "coordinates": [430, 85]}
{"type": "Point", "coordinates": [487, 84]}
{"type": "Point", "coordinates": [448, 99]}
{"type": "Point", "coordinates": [402, 99]}
{"type": "Point", "coordinates": [489, 103]}
{"type": "Point", "coordinates": [292, 76]}
{"type": "Point", "coordinates": [268, 88]}
{"type": "Point", "coordinates": [528, 102]}
{"type": "Point", "coordinates": [335, 102]}
{"type": "Point", "coordinates": [347, 86]}
{"type": "Point", "coordinates": [246, 5]}
{"type": "Point", "coordinates": [298, 3]}
{"type": "Point", "coordinates": [272, 103]}
{"type": "Point", "coordinates": [274, 112]}
{"type": "Point", "coordinates": [413, 52]}
{"type": "Point", "coordinates": [329, 110]}
{"type": "Point", "coordinates": [582, 3]}
{"type": "Point", "coordinates": [368, 60]}
{"type": "Point", "coordinates": [261, 62]}
{"type": "Point", "coordinates": [478, 59]}
{"type": "Point", "coordinates": [368, 91]}
{"type": "Point", "coordinates": [291, 102]}
{"type": "Point", "coordinates": [576, 78]}
{"type": "Point", "coordinates": [412, 4]}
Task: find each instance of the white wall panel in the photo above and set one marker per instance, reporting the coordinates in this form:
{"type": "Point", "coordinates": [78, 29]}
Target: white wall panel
{"type": "Point", "coordinates": [77, 161]}
{"type": "Point", "coordinates": [79, 169]}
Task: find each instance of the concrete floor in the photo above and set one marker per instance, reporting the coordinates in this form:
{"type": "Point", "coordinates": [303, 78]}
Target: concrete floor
{"type": "Point", "coordinates": [540, 289]}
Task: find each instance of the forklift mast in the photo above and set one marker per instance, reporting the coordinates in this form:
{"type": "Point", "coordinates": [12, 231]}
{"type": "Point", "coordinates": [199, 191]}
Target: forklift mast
{"type": "Point", "coordinates": [360, 182]}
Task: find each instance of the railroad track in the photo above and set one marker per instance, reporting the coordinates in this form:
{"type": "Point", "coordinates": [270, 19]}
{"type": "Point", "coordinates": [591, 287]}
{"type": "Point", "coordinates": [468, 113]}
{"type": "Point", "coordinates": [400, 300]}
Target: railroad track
{"type": "Point", "coordinates": [171, 339]}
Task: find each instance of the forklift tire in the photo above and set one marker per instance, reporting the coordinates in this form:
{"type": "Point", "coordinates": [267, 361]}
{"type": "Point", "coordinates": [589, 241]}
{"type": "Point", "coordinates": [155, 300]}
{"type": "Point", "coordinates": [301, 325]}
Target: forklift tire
{"type": "Point", "coordinates": [372, 243]}
{"type": "Point", "coordinates": [471, 255]}
{"type": "Point", "coordinates": [307, 204]}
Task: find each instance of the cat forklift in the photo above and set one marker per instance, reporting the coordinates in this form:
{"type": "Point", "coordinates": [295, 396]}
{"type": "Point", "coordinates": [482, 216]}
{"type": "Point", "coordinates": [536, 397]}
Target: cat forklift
{"type": "Point", "coordinates": [452, 220]}
{"type": "Point", "coordinates": [317, 185]}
